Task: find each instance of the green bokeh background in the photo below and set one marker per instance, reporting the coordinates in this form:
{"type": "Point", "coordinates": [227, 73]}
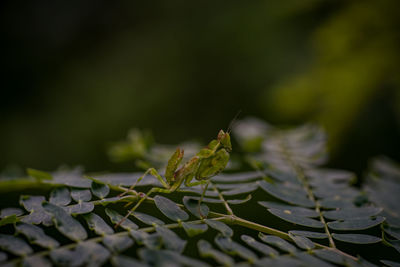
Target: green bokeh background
{"type": "Point", "coordinates": [76, 75]}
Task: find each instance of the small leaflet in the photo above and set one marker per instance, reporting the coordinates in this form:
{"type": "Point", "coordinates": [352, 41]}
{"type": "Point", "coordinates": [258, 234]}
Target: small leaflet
{"type": "Point", "coordinates": [224, 229]}
{"type": "Point", "coordinates": [36, 235]}
{"type": "Point", "coordinates": [206, 250]}
{"type": "Point", "coordinates": [37, 215]}
{"type": "Point", "coordinates": [263, 248]}
{"type": "Point", "coordinates": [81, 195]}
{"type": "Point", "coordinates": [277, 242]}
{"type": "Point", "coordinates": [60, 196]}
{"type": "Point", "coordinates": [193, 206]}
{"type": "Point", "coordinates": [302, 242]}
{"type": "Point", "coordinates": [147, 219]}
{"type": "Point", "coordinates": [100, 190]}
{"type": "Point", "coordinates": [170, 209]}
{"type": "Point", "coordinates": [234, 248]}
{"type": "Point", "coordinates": [357, 238]}
{"type": "Point", "coordinates": [170, 239]}
{"type": "Point", "coordinates": [115, 218]}
{"type": "Point", "coordinates": [97, 224]}
{"type": "Point", "coordinates": [14, 245]}
{"type": "Point", "coordinates": [192, 229]}
{"type": "Point", "coordinates": [117, 244]}
{"type": "Point", "coordinates": [64, 223]}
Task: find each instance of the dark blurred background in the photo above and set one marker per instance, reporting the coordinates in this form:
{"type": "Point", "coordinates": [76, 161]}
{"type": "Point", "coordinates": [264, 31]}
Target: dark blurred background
{"type": "Point", "coordinates": [76, 75]}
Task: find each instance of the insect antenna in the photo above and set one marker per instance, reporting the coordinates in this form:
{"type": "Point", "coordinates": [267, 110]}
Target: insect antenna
{"type": "Point", "coordinates": [233, 121]}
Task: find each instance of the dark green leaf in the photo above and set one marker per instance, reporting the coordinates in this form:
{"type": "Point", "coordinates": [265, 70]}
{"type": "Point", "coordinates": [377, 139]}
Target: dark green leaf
{"type": "Point", "coordinates": [356, 224]}
{"type": "Point", "coordinates": [67, 257]}
{"type": "Point", "coordinates": [37, 215]}
{"type": "Point", "coordinates": [224, 229]}
{"type": "Point", "coordinates": [298, 211]}
{"type": "Point", "coordinates": [288, 194]}
{"type": "Point", "coordinates": [124, 261]}
{"type": "Point", "coordinates": [240, 190]}
{"type": "Point", "coordinates": [171, 240]}
{"type": "Point", "coordinates": [64, 223]}
{"type": "Point", "coordinates": [206, 250]}
{"type": "Point", "coordinates": [356, 238]}
{"type": "Point", "coordinates": [10, 211]}
{"type": "Point", "coordinates": [60, 196]}
{"type": "Point", "coordinates": [193, 206]}
{"type": "Point", "coordinates": [168, 258]}
{"type": "Point", "coordinates": [310, 260]}
{"type": "Point", "coordinates": [9, 220]}
{"type": "Point", "coordinates": [277, 242]}
{"type": "Point", "coordinates": [14, 245]}
{"type": "Point", "coordinates": [302, 242]}
{"type": "Point", "coordinates": [229, 246]}
{"type": "Point", "coordinates": [309, 234]}
{"type": "Point", "coordinates": [97, 224]}
{"type": "Point", "coordinates": [39, 175]}
{"type": "Point", "coordinates": [36, 235]}
{"type": "Point", "coordinates": [37, 260]}
{"type": "Point", "coordinates": [80, 208]}
{"type": "Point", "coordinates": [100, 190]}
{"type": "Point", "coordinates": [265, 249]}
{"type": "Point", "coordinates": [330, 255]}
{"type": "Point", "coordinates": [352, 213]}
{"type": "Point", "coordinates": [80, 195]}
{"type": "Point", "coordinates": [95, 254]}
{"type": "Point", "coordinates": [192, 229]}
{"type": "Point", "coordinates": [117, 243]}
{"type": "Point", "coordinates": [170, 209]}
{"type": "Point", "coordinates": [116, 218]}
{"type": "Point", "coordinates": [237, 177]}
{"type": "Point", "coordinates": [147, 219]}
{"type": "Point", "coordinates": [300, 220]}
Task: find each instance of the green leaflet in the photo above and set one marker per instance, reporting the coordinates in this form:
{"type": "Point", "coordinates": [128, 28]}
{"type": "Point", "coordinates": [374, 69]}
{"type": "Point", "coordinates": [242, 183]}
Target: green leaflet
{"type": "Point", "coordinates": [171, 240]}
{"type": "Point", "coordinates": [124, 261]}
{"type": "Point", "coordinates": [147, 219]}
{"type": "Point", "coordinates": [39, 175]}
{"type": "Point", "coordinates": [315, 235]}
{"type": "Point", "coordinates": [300, 220]}
{"type": "Point", "coordinates": [192, 229]}
{"type": "Point", "coordinates": [37, 215]}
{"type": "Point", "coordinates": [115, 218]}
{"type": "Point", "coordinates": [234, 248]}
{"type": "Point", "coordinates": [193, 206]}
{"type": "Point", "coordinates": [64, 223]}
{"type": "Point", "coordinates": [10, 211]}
{"type": "Point", "coordinates": [80, 208]}
{"type": "Point", "coordinates": [356, 224]}
{"type": "Point", "coordinates": [288, 194]}
{"type": "Point", "coordinates": [60, 196]}
{"type": "Point", "coordinates": [100, 190]}
{"type": "Point", "coordinates": [170, 209]}
{"type": "Point", "coordinates": [263, 248]}
{"type": "Point", "coordinates": [277, 242]}
{"type": "Point", "coordinates": [97, 224]}
{"type": "Point", "coordinates": [36, 235]}
{"type": "Point", "coordinates": [14, 245]}
{"type": "Point", "coordinates": [117, 243]}
{"type": "Point", "coordinates": [357, 238]}
{"type": "Point", "coordinates": [297, 211]}
{"type": "Point", "coordinates": [8, 220]}
{"type": "Point", "coordinates": [81, 195]}
{"type": "Point", "coordinates": [302, 242]}
{"type": "Point", "coordinates": [206, 250]}
{"type": "Point", "coordinates": [224, 229]}
{"type": "Point", "coordinates": [352, 213]}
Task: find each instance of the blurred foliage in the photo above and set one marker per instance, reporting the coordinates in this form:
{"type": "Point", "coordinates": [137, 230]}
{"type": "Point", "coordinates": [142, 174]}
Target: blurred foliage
{"type": "Point", "coordinates": [76, 75]}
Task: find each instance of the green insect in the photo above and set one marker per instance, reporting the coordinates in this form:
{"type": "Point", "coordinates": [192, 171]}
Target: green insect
{"type": "Point", "coordinates": [207, 163]}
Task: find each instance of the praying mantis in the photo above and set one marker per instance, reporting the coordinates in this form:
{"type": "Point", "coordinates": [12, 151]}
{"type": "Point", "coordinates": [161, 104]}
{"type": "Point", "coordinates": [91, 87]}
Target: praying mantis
{"type": "Point", "coordinates": [207, 163]}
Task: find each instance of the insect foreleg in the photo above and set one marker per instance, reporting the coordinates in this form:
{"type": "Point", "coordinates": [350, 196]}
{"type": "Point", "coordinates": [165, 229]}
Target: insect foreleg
{"type": "Point", "coordinates": [151, 171]}
{"type": "Point", "coordinates": [143, 198]}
